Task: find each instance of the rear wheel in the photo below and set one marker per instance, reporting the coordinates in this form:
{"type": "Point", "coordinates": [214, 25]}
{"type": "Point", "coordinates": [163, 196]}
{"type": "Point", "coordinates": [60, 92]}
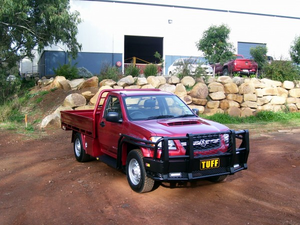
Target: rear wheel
{"type": "Point", "coordinates": [79, 151]}
{"type": "Point", "coordinates": [225, 71]}
{"type": "Point", "coordinates": [217, 179]}
{"type": "Point", "coordinates": [136, 173]}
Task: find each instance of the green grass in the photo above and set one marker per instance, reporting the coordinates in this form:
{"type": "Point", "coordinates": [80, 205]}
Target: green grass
{"type": "Point", "coordinates": [260, 117]}
{"type": "Point", "coordinates": [262, 122]}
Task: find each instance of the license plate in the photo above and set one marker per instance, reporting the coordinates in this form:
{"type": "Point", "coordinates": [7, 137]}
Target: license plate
{"type": "Point", "coordinates": [209, 164]}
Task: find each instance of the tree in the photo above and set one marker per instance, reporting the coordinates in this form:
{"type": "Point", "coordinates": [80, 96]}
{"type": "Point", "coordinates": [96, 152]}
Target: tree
{"type": "Point", "coordinates": [295, 50]}
{"type": "Point", "coordinates": [215, 46]}
{"type": "Point", "coordinates": [259, 54]}
{"type": "Point", "coordinates": [27, 24]}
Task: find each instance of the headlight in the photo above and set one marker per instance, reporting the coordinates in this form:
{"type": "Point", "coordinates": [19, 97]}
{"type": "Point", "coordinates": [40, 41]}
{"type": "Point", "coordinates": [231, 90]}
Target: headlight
{"type": "Point", "coordinates": [226, 138]}
{"type": "Point", "coordinates": [171, 144]}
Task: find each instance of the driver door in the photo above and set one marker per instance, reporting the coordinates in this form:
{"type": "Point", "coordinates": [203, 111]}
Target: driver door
{"type": "Point", "coordinates": [109, 132]}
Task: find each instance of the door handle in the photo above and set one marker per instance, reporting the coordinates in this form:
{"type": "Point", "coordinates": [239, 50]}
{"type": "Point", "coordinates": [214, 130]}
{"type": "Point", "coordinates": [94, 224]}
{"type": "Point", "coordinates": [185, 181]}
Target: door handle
{"type": "Point", "coordinates": [102, 124]}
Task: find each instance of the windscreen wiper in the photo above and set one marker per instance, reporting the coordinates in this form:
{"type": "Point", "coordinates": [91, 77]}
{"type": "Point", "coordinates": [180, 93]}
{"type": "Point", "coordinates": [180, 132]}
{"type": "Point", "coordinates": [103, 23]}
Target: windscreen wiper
{"type": "Point", "coordinates": [160, 117]}
{"type": "Point", "coordinates": [185, 115]}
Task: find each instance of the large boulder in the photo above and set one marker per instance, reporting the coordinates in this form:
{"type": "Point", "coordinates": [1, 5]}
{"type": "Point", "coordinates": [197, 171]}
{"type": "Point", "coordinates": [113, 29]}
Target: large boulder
{"type": "Point", "coordinates": [147, 86]}
{"type": "Point", "coordinates": [213, 104]}
{"type": "Point", "coordinates": [224, 79]}
{"type": "Point", "coordinates": [234, 111]}
{"type": "Point", "coordinates": [215, 87]}
{"type": "Point", "coordinates": [88, 95]}
{"type": "Point", "coordinates": [235, 97]}
{"type": "Point", "coordinates": [246, 112]}
{"type": "Point", "coordinates": [126, 81]}
{"type": "Point", "coordinates": [141, 81]}
{"type": "Point", "coordinates": [199, 101]}
{"type": "Point", "coordinates": [74, 100]}
{"type": "Point", "coordinates": [162, 80]}
{"type": "Point", "coordinates": [180, 90]}
{"type": "Point", "coordinates": [200, 90]}
{"type": "Point", "coordinates": [95, 97]}
{"type": "Point", "coordinates": [295, 92]}
{"type": "Point", "coordinates": [226, 104]}
{"type": "Point", "coordinates": [246, 88]}
{"type": "Point", "coordinates": [188, 81]}
{"type": "Point", "coordinates": [288, 85]}
{"type": "Point", "coordinates": [187, 99]}
{"type": "Point", "coordinates": [76, 83]}
{"type": "Point", "coordinates": [231, 88]}
{"type": "Point", "coordinates": [278, 100]}
{"type": "Point", "coordinates": [271, 83]}
{"type": "Point", "coordinates": [89, 83]}
{"type": "Point", "coordinates": [154, 81]}
{"type": "Point", "coordinates": [220, 95]}
{"type": "Point", "coordinates": [250, 97]}
{"type": "Point", "coordinates": [270, 91]}
{"type": "Point", "coordinates": [168, 88]}
{"type": "Point", "coordinates": [51, 120]}
{"type": "Point", "coordinates": [173, 80]}
{"type": "Point", "coordinates": [56, 82]}
{"type": "Point", "coordinates": [107, 82]}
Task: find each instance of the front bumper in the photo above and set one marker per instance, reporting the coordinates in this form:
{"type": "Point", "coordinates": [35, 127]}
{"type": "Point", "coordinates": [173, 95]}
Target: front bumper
{"type": "Point", "coordinates": [188, 167]}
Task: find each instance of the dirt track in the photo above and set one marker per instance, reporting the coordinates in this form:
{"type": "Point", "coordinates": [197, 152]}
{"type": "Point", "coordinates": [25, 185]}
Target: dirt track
{"type": "Point", "coordinates": [41, 183]}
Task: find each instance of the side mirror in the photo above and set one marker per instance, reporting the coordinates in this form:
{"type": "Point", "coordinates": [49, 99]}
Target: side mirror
{"type": "Point", "coordinates": [113, 117]}
{"type": "Point", "coordinates": [196, 111]}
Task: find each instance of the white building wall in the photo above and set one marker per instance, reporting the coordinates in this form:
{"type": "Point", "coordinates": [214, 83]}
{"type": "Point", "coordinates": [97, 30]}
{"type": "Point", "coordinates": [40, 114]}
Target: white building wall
{"type": "Point", "coordinates": [105, 23]}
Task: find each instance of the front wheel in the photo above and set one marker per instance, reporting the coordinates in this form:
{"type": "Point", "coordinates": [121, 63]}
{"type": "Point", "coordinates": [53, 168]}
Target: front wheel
{"type": "Point", "coordinates": [136, 173]}
{"type": "Point", "coordinates": [79, 152]}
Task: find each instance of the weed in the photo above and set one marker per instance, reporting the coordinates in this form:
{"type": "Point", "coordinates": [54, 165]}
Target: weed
{"type": "Point", "coordinates": [38, 100]}
{"type": "Point", "coordinates": [150, 70]}
{"type": "Point", "coordinates": [132, 70]}
{"type": "Point", "coordinates": [110, 72]}
{"type": "Point", "coordinates": [68, 71]}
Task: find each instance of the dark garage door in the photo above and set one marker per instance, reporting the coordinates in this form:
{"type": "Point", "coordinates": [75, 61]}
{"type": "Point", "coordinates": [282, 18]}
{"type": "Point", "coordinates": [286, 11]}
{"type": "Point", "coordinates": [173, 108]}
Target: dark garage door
{"type": "Point", "coordinates": [143, 48]}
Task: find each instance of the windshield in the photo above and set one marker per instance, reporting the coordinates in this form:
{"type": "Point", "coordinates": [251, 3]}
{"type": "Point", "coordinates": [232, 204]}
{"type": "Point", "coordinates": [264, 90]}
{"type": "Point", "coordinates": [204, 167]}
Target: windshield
{"type": "Point", "coordinates": [156, 107]}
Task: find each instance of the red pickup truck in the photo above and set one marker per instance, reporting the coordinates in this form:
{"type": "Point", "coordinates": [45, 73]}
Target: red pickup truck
{"type": "Point", "coordinates": [153, 136]}
{"type": "Point", "coordinates": [237, 65]}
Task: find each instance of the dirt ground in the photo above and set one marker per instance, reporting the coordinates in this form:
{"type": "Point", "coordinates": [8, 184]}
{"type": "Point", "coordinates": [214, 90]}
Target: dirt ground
{"type": "Point", "coordinates": [42, 183]}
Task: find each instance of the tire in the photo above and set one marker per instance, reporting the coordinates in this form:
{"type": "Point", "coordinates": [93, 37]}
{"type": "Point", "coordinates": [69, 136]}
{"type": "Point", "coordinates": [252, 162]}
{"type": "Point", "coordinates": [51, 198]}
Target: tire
{"type": "Point", "coordinates": [136, 173]}
{"type": "Point", "coordinates": [79, 151]}
{"type": "Point", "coordinates": [225, 71]}
{"type": "Point", "coordinates": [217, 179]}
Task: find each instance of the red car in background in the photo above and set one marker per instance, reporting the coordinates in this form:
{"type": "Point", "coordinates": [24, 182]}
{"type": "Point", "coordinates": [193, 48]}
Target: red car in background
{"type": "Point", "coordinates": [239, 65]}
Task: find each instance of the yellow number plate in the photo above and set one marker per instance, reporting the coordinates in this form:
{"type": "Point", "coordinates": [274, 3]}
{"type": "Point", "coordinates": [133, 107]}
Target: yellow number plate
{"type": "Point", "coordinates": [209, 164]}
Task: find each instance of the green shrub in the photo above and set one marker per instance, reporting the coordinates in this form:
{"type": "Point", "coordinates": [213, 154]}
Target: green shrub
{"type": "Point", "coordinates": [68, 71]}
{"type": "Point", "coordinates": [110, 72]}
{"type": "Point", "coordinates": [132, 70]}
{"type": "Point", "coordinates": [281, 70]}
{"type": "Point", "coordinates": [150, 70]}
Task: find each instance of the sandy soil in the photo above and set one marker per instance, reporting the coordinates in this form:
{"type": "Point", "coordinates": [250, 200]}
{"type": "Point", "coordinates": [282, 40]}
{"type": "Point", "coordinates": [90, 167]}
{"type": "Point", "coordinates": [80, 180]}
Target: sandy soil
{"type": "Point", "coordinates": [42, 183]}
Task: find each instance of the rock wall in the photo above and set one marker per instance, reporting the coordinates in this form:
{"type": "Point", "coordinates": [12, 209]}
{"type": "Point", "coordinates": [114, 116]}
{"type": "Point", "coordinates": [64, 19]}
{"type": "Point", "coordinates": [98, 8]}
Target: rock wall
{"type": "Point", "coordinates": [235, 96]}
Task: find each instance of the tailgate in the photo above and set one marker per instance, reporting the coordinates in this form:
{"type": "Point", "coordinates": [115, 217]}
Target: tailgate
{"type": "Point", "coordinates": [78, 120]}
{"type": "Point", "coordinates": [243, 64]}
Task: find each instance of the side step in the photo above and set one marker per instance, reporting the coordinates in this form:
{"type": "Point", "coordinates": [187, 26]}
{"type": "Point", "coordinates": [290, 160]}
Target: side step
{"type": "Point", "coordinates": [108, 160]}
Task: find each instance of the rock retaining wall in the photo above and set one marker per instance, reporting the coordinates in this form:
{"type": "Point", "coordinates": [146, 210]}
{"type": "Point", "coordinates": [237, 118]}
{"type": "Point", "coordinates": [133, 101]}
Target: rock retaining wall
{"type": "Point", "coordinates": [235, 96]}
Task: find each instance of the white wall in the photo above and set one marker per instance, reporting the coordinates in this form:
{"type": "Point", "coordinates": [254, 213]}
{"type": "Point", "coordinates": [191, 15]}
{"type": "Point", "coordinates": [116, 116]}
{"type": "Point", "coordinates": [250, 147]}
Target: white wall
{"type": "Point", "coordinates": [105, 24]}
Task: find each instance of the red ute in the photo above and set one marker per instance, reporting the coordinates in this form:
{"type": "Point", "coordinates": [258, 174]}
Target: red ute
{"type": "Point", "coordinates": [238, 65]}
{"type": "Point", "coordinates": [154, 136]}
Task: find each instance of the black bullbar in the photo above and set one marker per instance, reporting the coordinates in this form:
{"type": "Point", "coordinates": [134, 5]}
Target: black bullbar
{"type": "Point", "coordinates": [193, 166]}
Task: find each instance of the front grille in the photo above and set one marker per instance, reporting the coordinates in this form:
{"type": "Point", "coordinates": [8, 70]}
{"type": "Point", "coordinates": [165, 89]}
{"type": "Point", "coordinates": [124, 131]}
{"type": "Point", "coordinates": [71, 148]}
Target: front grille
{"type": "Point", "coordinates": [204, 142]}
